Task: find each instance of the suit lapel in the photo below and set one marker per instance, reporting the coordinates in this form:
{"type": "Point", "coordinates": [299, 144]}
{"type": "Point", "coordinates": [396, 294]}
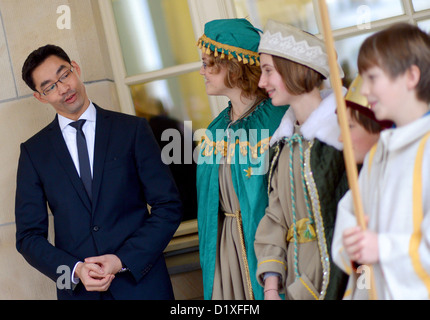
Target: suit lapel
{"type": "Point", "coordinates": [63, 155]}
{"type": "Point", "coordinates": [103, 126]}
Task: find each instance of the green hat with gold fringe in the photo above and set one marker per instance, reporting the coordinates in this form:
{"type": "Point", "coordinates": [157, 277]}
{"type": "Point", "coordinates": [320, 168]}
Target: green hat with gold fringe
{"type": "Point", "coordinates": [232, 38]}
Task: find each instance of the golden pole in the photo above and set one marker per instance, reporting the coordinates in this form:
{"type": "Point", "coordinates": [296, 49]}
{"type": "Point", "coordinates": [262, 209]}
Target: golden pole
{"type": "Point", "coordinates": [350, 164]}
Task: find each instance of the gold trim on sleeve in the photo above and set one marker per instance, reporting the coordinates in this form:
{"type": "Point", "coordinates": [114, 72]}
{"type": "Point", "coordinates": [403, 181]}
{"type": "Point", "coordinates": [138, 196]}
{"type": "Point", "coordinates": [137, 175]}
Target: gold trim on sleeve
{"type": "Point", "coordinates": [418, 215]}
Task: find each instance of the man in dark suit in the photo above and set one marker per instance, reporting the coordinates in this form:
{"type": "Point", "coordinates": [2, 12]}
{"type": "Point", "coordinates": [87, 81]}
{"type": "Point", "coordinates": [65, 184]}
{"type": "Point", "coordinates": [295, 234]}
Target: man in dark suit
{"type": "Point", "coordinates": [104, 233]}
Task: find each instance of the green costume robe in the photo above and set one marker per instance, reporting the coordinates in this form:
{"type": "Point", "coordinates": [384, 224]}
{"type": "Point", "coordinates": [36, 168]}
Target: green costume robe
{"type": "Point", "coordinates": [246, 142]}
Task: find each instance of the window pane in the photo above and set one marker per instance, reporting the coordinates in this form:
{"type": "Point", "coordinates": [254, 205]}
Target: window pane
{"type": "Point", "coordinates": [167, 104]}
{"type": "Point", "coordinates": [183, 98]}
{"type": "Point", "coordinates": [348, 13]}
{"type": "Point", "coordinates": [299, 13]}
{"type": "Point", "coordinates": [424, 25]}
{"type": "Point", "coordinates": [347, 50]}
{"type": "Point", "coordinates": [154, 34]}
{"type": "Point", "coordinates": [421, 4]}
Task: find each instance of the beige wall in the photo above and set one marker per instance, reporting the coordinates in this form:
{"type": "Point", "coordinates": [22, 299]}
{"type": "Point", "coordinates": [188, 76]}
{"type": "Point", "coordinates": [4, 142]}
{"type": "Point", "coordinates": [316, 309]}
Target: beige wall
{"type": "Point", "coordinates": [24, 26]}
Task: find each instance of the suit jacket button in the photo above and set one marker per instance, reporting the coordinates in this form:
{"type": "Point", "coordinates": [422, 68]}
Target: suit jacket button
{"type": "Point", "coordinates": [96, 228]}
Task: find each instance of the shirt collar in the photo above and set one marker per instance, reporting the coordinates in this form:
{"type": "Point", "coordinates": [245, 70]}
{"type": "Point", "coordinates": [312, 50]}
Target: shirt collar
{"type": "Point", "coordinates": [398, 138]}
{"type": "Point", "coordinates": [89, 115]}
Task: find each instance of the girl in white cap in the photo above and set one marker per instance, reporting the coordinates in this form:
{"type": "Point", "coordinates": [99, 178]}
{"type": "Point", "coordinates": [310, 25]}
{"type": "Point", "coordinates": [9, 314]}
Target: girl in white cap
{"type": "Point", "coordinates": [307, 175]}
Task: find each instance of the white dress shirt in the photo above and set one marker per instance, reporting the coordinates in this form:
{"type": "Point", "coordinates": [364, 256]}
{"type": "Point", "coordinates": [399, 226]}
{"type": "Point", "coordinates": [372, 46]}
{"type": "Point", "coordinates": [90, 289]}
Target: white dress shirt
{"type": "Point", "coordinates": [69, 134]}
{"type": "Point", "coordinates": [89, 129]}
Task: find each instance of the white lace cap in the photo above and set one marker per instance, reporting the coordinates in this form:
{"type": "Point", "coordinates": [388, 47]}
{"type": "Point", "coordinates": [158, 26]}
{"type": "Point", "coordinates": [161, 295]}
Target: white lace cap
{"type": "Point", "coordinates": [288, 42]}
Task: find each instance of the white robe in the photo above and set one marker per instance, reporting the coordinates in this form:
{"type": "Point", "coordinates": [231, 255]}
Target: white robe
{"type": "Point", "coordinates": [389, 192]}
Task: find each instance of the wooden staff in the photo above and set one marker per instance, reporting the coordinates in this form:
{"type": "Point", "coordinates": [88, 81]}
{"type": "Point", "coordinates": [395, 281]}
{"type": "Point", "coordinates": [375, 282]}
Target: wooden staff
{"type": "Point", "coordinates": [350, 164]}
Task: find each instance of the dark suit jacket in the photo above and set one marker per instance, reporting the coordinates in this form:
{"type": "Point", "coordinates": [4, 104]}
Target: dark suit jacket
{"type": "Point", "coordinates": [128, 174]}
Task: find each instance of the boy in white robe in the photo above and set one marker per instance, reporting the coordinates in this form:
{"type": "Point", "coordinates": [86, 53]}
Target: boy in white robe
{"type": "Point", "coordinates": [394, 183]}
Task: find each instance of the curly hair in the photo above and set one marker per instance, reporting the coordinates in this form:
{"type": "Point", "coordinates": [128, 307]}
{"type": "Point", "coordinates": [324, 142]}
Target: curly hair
{"type": "Point", "coordinates": [243, 76]}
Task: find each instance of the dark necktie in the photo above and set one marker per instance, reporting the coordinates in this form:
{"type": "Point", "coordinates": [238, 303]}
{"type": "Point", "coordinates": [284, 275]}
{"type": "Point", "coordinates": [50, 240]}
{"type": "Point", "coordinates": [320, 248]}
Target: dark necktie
{"type": "Point", "coordinates": [84, 160]}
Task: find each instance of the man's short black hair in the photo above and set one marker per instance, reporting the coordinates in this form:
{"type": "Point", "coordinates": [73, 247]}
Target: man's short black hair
{"type": "Point", "coordinates": [36, 58]}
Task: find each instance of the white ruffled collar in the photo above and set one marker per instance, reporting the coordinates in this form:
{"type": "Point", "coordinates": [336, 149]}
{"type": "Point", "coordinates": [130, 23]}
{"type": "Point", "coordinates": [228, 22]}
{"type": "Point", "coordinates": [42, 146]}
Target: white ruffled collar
{"type": "Point", "coordinates": [322, 124]}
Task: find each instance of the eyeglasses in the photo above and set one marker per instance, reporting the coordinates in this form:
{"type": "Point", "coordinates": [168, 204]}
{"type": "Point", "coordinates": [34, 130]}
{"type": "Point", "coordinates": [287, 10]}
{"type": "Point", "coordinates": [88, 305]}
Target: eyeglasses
{"type": "Point", "coordinates": [65, 77]}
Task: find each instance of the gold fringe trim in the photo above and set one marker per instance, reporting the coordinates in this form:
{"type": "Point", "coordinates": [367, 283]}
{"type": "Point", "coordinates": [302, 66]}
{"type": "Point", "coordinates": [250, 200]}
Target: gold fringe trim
{"type": "Point", "coordinates": [243, 55]}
